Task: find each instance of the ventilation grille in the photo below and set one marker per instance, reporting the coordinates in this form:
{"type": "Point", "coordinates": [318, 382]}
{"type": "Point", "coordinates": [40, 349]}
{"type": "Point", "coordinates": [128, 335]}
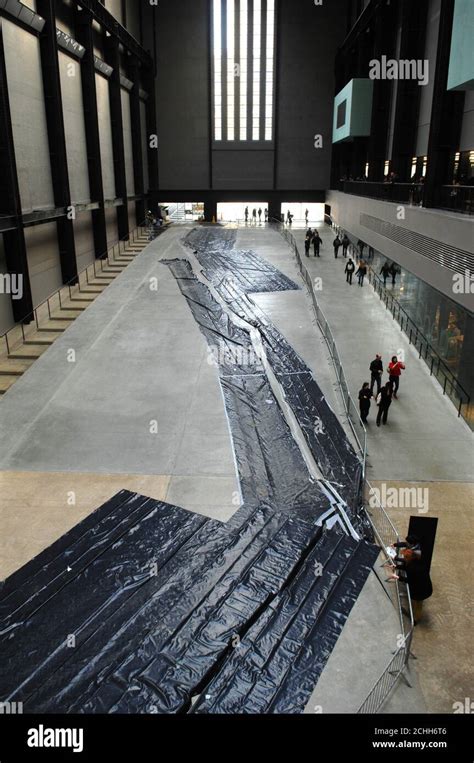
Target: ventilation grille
{"type": "Point", "coordinates": [457, 260]}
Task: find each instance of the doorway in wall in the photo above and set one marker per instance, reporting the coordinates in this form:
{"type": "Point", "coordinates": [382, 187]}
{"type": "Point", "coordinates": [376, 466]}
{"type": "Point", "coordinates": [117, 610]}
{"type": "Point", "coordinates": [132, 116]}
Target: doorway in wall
{"type": "Point", "coordinates": [234, 212]}
{"type": "Point", "coordinates": [298, 210]}
{"type": "Point", "coordinates": [189, 211]}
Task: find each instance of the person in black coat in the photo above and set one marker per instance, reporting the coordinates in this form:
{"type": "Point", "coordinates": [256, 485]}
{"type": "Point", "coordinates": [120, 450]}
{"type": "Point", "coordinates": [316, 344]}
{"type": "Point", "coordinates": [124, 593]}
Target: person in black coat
{"type": "Point", "coordinates": [384, 401]}
{"type": "Point", "coordinates": [350, 267]}
{"type": "Point", "coordinates": [394, 272]}
{"type": "Point", "coordinates": [364, 401]}
{"type": "Point", "coordinates": [385, 272]}
{"type": "Point", "coordinates": [337, 244]}
{"type": "Point", "coordinates": [307, 245]}
{"type": "Point", "coordinates": [376, 371]}
{"type": "Point", "coordinates": [345, 245]}
{"type": "Point", "coordinates": [317, 241]}
{"type": "Point", "coordinates": [413, 570]}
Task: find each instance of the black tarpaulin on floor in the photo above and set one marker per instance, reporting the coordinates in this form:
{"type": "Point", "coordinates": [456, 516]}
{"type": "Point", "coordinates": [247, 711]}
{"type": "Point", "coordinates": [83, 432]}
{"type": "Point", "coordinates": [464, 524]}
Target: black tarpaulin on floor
{"type": "Point", "coordinates": [220, 260]}
{"type": "Point", "coordinates": [324, 434]}
{"type": "Point", "coordinates": [142, 607]}
{"type": "Point", "coordinates": [139, 608]}
{"type": "Point", "coordinates": [276, 666]}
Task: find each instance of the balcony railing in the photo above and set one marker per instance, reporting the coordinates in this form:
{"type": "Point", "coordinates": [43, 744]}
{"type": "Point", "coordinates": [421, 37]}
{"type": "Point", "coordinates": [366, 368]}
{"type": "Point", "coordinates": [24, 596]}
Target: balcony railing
{"type": "Point", "coordinates": [406, 193]}
{"type": "Point", "coordinates": [457, 198]}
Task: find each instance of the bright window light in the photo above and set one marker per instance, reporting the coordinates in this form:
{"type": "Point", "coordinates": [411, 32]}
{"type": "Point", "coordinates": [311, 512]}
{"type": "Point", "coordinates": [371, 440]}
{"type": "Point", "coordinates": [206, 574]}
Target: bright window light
{"type": "Point", "coordinates": [243, 67]}
{"type": "Point", "coordinates": [269, 69]}
{"type": "Point", "coordinates": [257, 52]}
{"type": "Point", "coordinates": [230, 69]}
{"type": "Point", "coordinates": [217, 71]}
{"type": "Point", "coordinates": [248, 89]}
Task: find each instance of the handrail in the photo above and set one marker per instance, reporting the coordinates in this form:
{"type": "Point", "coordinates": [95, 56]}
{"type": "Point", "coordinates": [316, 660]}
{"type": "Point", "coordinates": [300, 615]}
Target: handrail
{"type": "Point", "coordinates": [383, 528]}
{"type": "Point", "coordinates": [75, 281]}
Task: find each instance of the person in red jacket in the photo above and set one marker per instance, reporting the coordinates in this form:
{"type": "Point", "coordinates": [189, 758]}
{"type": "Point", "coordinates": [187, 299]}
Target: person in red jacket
{"type": "Point", "coordinates": [395, 369]}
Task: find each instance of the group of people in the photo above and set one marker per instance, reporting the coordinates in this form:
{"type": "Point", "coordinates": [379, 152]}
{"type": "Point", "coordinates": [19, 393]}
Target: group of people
{"type": "Point", "coordinates": [256, 212]}
{"type": "Point", "coordinates": [385, 393]}
{"type": "Point", "coordinates": [389, 270]}
{"type": "Point", "coordinates": [312, 239]}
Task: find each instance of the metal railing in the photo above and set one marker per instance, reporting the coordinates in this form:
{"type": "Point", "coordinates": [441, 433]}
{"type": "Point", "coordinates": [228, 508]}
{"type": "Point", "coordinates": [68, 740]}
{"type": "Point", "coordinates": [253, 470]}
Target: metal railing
{"type": "Point", "coordinates": [383, 528]}
{"type": "Point", "coordinates": [411, 193]}
{"type": "Point", "coordinates": [457, 198]}
{"type": "Point", "coordinates": [31, 323]}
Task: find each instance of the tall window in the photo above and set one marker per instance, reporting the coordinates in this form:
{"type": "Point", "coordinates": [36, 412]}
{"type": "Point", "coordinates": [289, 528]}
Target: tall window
{"type": "Point", "coordinates": [243, 69]}
{"type": "Point", "coordinates": [217, 70]}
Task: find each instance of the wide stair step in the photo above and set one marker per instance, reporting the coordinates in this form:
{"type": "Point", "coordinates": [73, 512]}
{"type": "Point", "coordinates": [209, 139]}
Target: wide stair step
{"type": "Point", "coordinates": [54, 326]}
{"type": "Point", "coordinates": [41, 338]}
{"type": "Point", "coordinates": [9, 367]}
{"type": "Point", "coordinates": [28, 352]}
{"type": "Point", "coordinates": [6, 382]}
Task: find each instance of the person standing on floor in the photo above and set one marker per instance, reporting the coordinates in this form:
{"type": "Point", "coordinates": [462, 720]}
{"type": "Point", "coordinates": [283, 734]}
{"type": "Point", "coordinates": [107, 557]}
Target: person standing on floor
{"type": "Point", "coordinates": [306, 216]}
{"type": "Point", "coordinates": [254, 215]}
{"type": "Point", "coordinates": [317, 242]}
{"type": "Point", "coordinates": [364, 402]}
{"type": "Point", "coordinates": [412, 569]}
{"type": "Point", "coordinates": [345, 245]}
{"type": "Point", "coordinates": [337, 244]}
{"type": "Point", "coordinates": [384, 401]}
{"type": "Point", "coordinates": [260, 215]}
{"type": "Point", "coordinates": [266, 215]}
{"type": "Point", "coordinates": [307, 245]}
{"type": "Point", "coordinates": [376, 372]}
{"type": "Point", "coordinates": [362, 272]}
{"type": "Point", "coordinates": [361, 246]}
{"type": "Point", "coordinates": [350, 267]}
{"type": "Point", "coordinates": [246, 214]}
{"type": "Point", "coordinates": [395, 368]}
{"type": "Point", "coordinates": [385, 272]}
{"type": "Point", "coordinates": [393, 272]}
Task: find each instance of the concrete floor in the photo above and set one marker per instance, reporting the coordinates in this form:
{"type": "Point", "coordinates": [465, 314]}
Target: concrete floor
{"type": "Point", "coordinates": [84, 427]}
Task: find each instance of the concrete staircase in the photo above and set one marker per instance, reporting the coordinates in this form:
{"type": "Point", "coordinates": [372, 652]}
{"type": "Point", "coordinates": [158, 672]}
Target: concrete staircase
{"type": "Point", "coordinates": [28, 343]}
